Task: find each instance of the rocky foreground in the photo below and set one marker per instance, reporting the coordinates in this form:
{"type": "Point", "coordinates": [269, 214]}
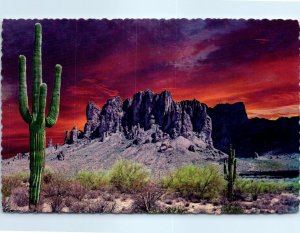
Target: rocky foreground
{"type": "Point", "coordinates": [120, 203]}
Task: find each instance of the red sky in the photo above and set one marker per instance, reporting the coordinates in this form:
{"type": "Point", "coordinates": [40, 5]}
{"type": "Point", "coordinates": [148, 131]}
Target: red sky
{"type": "Point", "coordinates": [214, 61]}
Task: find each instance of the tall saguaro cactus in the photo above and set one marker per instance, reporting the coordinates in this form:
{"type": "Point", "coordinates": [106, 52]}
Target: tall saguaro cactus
{"type": "Point", "coordinates": [36, 119]}
{"type": "Point", "coordinates": [230, 173]}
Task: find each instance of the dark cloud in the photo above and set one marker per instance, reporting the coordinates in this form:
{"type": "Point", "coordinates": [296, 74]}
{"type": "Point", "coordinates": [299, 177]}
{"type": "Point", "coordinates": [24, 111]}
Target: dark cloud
{"type": "Point", "coordinates": [258, 40]}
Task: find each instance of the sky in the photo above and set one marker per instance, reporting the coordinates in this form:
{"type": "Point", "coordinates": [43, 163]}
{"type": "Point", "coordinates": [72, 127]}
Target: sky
{"type": "Point", "coordinates": [213, 61]}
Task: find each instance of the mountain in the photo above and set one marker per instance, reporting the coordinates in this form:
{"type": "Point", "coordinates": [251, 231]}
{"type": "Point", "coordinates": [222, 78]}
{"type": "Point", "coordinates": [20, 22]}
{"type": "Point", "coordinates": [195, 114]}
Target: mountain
{"type": "Point", "coordinates": [230, 125]}
{"type": "Point", "coordinates": [146, 110]}
{"type": "Point", "coordinates": [216, 127]}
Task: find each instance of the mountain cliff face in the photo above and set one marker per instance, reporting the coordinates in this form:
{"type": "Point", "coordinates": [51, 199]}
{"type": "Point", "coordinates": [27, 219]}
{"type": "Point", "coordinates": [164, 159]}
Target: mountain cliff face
{"type": "Point", "coordinates": [145, 110]}
{"type": "Point", "coordinates": [167, 119]}
{"type": "Point", "coordinates": [231, 125]}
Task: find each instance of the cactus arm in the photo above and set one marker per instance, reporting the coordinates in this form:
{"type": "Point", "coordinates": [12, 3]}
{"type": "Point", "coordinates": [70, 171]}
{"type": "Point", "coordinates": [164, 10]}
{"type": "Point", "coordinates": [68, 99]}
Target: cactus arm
{"type": "Point", "coordinates": [37, 69]}
{"type": "Point", "coordinates": [54, 106]}
{"type": "Point", "coordinates": [23, 98]}
{"type": "Point", "coordinates": [229, 167]}
{"type": "Point", "coordinates": [225, 170]}
{"type": "Point", "coordinates": [234, 170]}
{"type": "Point", "coordinates": [42, 103]}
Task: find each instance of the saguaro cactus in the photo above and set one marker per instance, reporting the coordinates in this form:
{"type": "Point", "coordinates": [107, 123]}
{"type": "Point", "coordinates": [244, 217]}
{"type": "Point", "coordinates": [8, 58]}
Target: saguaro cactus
{"type": "Point", "coordinates": [230, 173]}
{"type": "Point", "coordinates": [36, 119]}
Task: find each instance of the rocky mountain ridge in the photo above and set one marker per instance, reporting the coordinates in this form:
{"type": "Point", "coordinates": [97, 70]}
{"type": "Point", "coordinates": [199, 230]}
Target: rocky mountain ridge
{"type": "Point", "coordinates": [145, 111]}
{"type": "Point", "coordinates": [216, 127]}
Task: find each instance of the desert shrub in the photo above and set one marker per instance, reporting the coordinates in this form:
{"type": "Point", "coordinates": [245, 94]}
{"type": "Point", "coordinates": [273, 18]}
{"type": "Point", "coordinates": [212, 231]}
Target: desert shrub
{"type": "Point", "coordinates": [128, 176]}
{"type": "Point", "coordinates": [54, 190]}
{"type": "Point", "coordinates": [13, 181]}
{"type": "Point", "coordinates": [194, 181]}
{"type": "Point", "coordinates": [102, 206]}
{"type": "Point", "coordinates": [48, 176]}
{"type": "Point", "coordinates": [92, 180]}
{"type": "Point", "coordinates": [76, 190]}
{"type": "Point", "coordinates": [232, 208]}
{"type": "Point", "coordinates": [20, 196]}
{"type": "Point", "coordinates": [57, 187]}
{"type": "Point", "coordinates": [68, 201]}
{"type": "Point", "coordinates": [293, 186]}
{"type": "Point", "coordinates": [57, 203]}
{"type": "Point", "coordinates": [93, 194]}
{"type": "Point", "coordinates": [256, 187]}
{"type": "Point", "coordinates": [145, 201]}
{"type": "Point", "coordinates": [79, 207]}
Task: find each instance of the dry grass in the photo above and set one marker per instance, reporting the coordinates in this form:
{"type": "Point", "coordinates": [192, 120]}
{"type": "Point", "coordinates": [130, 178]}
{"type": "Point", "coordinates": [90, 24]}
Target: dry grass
{"type": "Point", "coordinates": [76, 190]}
{"type": "Point", "coordinates": [145, 201]}
{"type": "Point", "coordinates": [20, 196]}
{"type": "Point", "coordinates": [102, 206]}
{"type": "Point", "coordinates": [57, 203]}
{"type": "Point", "coordinates": [13, 181]}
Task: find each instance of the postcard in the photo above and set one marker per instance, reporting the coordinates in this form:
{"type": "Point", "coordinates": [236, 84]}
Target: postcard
{"type": "Point", "coordinates": [156, 116]}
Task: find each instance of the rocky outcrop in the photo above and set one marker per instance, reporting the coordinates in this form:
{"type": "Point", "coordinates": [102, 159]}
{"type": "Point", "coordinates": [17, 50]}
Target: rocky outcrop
{"type": "Point", "coordinates": [186, 118]}
{"type": "Point", "coordinates": [111, 117]}
{"type": "Point", "coordinates": [92, 117]}
{"type": "Point", "coordinates": [73, 136]}
{"type": "Point", "coordinates": [146, 109]}
{"type": "Point", "coordinates": [252, 137]}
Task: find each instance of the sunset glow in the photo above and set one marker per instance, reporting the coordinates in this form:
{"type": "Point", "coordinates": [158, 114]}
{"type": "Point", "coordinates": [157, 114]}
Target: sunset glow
{"type": "Point", "coordinates": [213, 61]}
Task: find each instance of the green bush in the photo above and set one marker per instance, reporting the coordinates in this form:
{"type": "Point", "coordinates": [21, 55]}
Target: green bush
{"type": "Point", "coordinates": [92, 180]}
{"type": "Point", "coordinates": [255, 187]}
{"type": "Point", "coordinates": [128, 176]}
{"type": "Point", "coordinates": [13, 181]}
{"type": "Point", "coordinates": [294, 185]}
{"type": "Point", "coordinates": [191, 180]}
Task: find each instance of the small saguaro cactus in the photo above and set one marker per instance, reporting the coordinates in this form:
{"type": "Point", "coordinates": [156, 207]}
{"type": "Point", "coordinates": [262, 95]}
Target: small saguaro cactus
{"type": "Point", "coordinates": [36, 118]}
{"type": "Point", "coordinates": [230, 173]}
